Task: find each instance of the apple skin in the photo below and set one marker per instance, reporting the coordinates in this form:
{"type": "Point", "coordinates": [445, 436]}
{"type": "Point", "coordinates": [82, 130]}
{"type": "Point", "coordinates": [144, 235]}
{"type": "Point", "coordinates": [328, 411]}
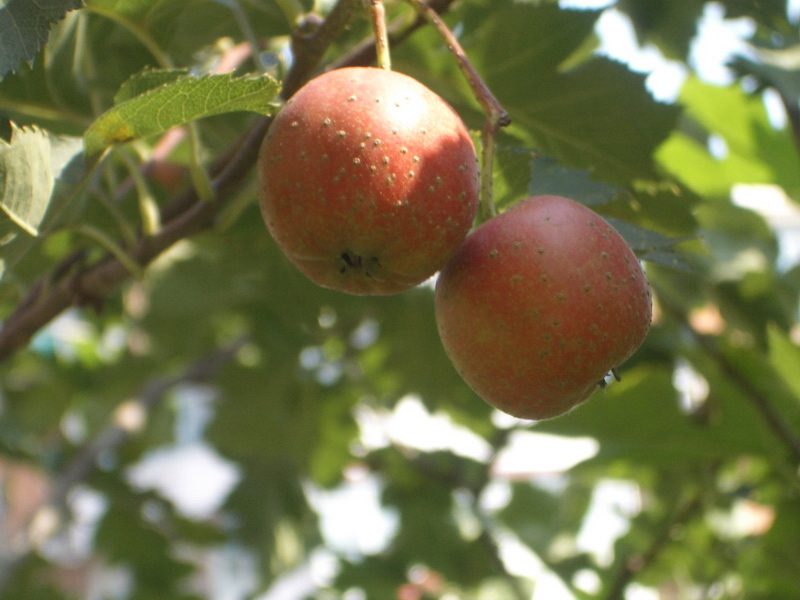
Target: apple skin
{"type": "Point", "coordinates": [368, 181]}
{"type": "Point", "coordinates": [539, 304]}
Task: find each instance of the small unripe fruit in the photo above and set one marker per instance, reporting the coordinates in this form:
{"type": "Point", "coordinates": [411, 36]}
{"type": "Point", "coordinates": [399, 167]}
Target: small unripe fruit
{"type": "Point", "coordinates": [539, 304]}
{"type": "Point", "coordinates": [368, 181]}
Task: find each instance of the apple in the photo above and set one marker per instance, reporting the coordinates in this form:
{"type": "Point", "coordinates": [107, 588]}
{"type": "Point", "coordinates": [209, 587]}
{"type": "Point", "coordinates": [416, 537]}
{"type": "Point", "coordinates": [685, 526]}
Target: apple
{"type": "Point", "coordinates": [539, 304]}
{"type": "Point", "coordinates": [368, 181]}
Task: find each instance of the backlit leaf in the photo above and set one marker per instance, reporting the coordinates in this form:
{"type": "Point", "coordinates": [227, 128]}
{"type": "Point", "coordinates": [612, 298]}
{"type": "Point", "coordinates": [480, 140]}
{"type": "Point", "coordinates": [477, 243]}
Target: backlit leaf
{"type": "Point", "coordinates": [178, 102]}
{"type": "Point", "coordinates": [29, 168]}
{"type": "Point", "coordinates": [740, 146]}
{"type": "Point", "coordinates": [596, 115]}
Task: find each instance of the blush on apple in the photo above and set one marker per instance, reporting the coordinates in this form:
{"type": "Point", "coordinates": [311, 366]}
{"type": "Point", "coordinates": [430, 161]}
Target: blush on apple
{"type": "Point", "coordinates": [368, 181]}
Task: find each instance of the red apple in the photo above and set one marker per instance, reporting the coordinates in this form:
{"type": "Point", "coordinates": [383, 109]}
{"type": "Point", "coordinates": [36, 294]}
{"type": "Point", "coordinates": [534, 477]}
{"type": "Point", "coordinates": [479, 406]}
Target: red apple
{"type": "Point", "coordinates": [539, 304]}
{"type": "Point", "coordinates": [368, 181]}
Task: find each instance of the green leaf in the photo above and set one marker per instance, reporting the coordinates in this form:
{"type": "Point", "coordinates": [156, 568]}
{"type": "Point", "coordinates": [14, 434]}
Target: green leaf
{"type": "Point", "coordinates": [597, 115]}
{"type": "Point", "coordinates": [38, 172]}
{"type": "Point", "coordinates": [24, 27]}
{"type": "Point", "coordinates": [754, 151]}
{"type": "Point", "coordinates": [132, 9]}
{"type": "Point", "coordinates": [770, 14]}
{"type": "Point", "coordinates": [512, 174]}
{"type": "Point", "coordinates": [652, 246]}
{"type": "Point", "coordinates": [158, 19]}
{"type": "Point", "coordinates": [146, 81]}
{"type": "Point", "coordinates": [777, 68]}
{"type": "Point", "coordinates": [784, 356]}
{"type": "Point", "coordinates": [639, 419]}
{"type": "Point", "coordinates": [548, 176]}
{"type": "Point", "coordinates": [29, 168]}
{"type": "Point", "coordinates": [670, 25]}
{"type": "Point", "coordinates": [641, 239]}
{"type": "Point", "coordinates": [177, 102]}
{"type": "Point", "coordinates": [668, 259]}
{"type": "Point", "coordinates": [587, 113]}
{"type": "Point", "coordinates": [26, 177]}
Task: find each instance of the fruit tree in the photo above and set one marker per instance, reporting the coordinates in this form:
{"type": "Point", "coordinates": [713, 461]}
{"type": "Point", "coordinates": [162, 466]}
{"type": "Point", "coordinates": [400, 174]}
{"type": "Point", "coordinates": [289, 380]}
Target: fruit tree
{"type": "Point", "coordinates": [351, 299]}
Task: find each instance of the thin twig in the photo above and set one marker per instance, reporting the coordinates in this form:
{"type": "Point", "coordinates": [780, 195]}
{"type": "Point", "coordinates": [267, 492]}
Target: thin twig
{"type": "Point", "coordinates": [491, 105]}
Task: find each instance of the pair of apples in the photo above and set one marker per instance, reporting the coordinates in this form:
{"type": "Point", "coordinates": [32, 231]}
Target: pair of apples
{"type": "Point", "coordinates": [369, 184]}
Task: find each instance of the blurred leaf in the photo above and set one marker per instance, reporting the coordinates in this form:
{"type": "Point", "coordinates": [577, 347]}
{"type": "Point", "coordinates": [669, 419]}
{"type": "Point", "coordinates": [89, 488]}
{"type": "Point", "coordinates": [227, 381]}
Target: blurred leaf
{"type": "Point", "coordinates": [132, 9]}
{"type": "Point", "coordinates": [769, 15]}
{"type": "Point", "coordinates": [159, 18]}
{"type": "Point", "coordinates": [756, 369]}
{"type": "Point", "coordinates": [24, 27]}
{"type": "Point", "coordinates": [640, 420]}
{"type": "Point", "coordinates": [538, 516]}
{"type": "Point", "coordinates": [429, 531]}
{"type": "Point", "coordinates": [752, 150]}
{"type": "Point", "coordinates": [338, 432]}
{"type": "Point", "coordinates": [784, 356]}
{"type": "Point", "coordinates": [33, 581]}
{"type": "Point", "coordinates": [641, 239]}
{"type": "Point", "coordinates": [378, 576]}
{"type": "Point", "coordinates": [671, 26]}
{"type": "Point", "coordinates": [772, 564]}
{"type": "Point", "coordinates": [126, 539]}
{"type": "Point", "coordinates": [270, 497]}
{"type": "Point", "coordinates": [740, 240]}
{"type": "Point", "coordinates": [176, 102]}
{"type": "Point", "coordinates": [779, 69]}
{"type": "Point", "coordinates": [668, 259]}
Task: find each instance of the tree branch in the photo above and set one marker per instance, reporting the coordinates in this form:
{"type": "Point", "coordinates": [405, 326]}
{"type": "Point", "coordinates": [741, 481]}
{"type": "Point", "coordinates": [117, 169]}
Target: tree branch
{"type": "Point", "coordinates": [91, 285]}
{"type": "Point", "coordinates": [72, 283]}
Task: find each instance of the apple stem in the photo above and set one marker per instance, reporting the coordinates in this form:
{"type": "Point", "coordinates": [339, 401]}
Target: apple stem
{"type": "Point", "coordinates": [378, 15]}
{"type": "Point", "coordinates": [496, 115]}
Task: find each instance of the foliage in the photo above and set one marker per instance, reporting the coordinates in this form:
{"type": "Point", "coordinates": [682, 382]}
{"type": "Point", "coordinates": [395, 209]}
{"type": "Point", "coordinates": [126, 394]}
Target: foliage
{"type": "Point", "coordinates": [148, 314]}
